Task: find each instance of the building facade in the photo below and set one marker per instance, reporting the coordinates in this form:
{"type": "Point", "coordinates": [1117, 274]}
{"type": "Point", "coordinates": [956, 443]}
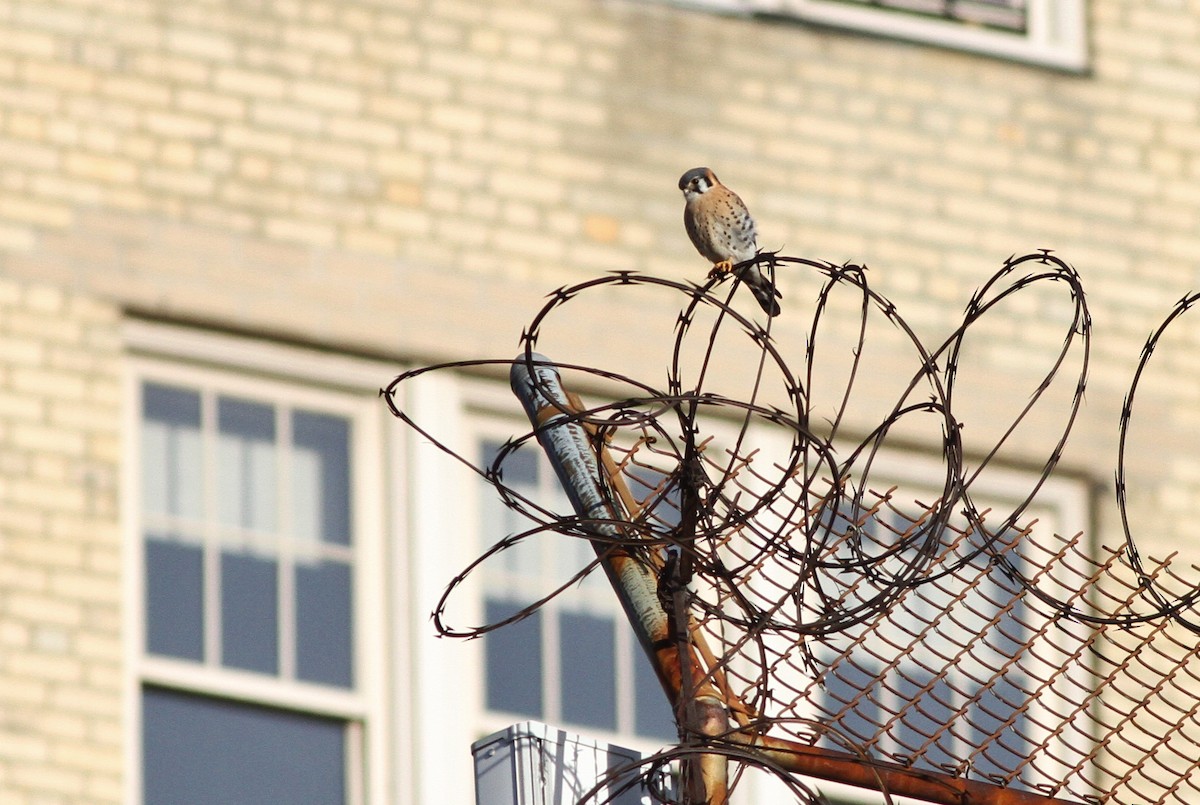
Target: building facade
{"type": "Point", "coordinates": [224, 226]}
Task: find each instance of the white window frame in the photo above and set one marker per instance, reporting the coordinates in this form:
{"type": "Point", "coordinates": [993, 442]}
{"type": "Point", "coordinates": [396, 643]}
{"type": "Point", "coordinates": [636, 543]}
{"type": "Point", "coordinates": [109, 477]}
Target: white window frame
{"type": "Point", "coordinates": [277, 373]}
{"type": "Point", "coordinates": [1056, 34]}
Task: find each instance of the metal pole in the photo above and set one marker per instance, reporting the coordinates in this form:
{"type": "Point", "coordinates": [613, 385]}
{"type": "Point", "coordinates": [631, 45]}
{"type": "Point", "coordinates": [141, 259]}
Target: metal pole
{"type": "Point", "coordinates": [568, 446]}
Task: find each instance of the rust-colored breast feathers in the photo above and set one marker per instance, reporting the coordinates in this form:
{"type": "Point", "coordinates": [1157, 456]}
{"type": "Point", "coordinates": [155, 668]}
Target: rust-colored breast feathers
{"type": "Point", "coordinates": [720, 226]}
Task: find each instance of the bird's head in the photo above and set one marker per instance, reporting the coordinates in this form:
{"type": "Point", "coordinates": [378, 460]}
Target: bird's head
{"type": "Point", "coordinates": [697, 181]}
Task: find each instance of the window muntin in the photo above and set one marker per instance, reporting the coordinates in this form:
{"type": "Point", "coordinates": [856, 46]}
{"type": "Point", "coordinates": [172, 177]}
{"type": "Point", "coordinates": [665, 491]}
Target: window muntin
{"type": "Point", "coordinates": [1010, 15]}
{"type": "Point", "coordinates": [248, 554]}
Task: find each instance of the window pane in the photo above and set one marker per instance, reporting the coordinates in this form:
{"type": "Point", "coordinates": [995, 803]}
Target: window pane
{"type": "Point", "coordinates": [521, 563]}
{"type": "Point", "coordinates": [589, 670]}
{"type": "Point", "coordinates": [174, 599]}
{"type": "Point", "coordinates": [321, 478]}
{"type": "Point", "coordinates": [514, 661]}
{"type": "Point", "coordinates": [171, 451]}
{"type": "Point", "coordinates": [843, 687]}
{"type": "Point", "coordinates": [519, 467]}
{"type": "Point", "coordinates": [652, 711]}
{"type": "Point", "coordinates": [246, 459]}
{"type": "Point", "coordinates": [988, 713]}
{"type": "Point", "coordinates": [935, 708]}
{"type": "Point", "coordinates": [324, 629]}
{"type": "Point", "coordinates": [202, 751]}
{"type": "Point", "coordinates": [249, 613]}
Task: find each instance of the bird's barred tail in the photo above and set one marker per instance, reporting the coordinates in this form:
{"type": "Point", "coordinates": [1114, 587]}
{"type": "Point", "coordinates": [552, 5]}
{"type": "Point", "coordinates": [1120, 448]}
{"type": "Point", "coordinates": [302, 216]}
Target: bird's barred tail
{"type": "Point", "coordinates": [767, 300]}
{"type": "Point", "coordinates": [764, 291]}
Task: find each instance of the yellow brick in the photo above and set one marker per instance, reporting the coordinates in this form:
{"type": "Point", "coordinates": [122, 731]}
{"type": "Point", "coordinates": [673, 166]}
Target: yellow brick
{"type": "Point", "coordinates": [526, 187]}
{"type": "Point", "coordinates": [257, 83]}
{"type": "Point", "coordinates": [526, 20]}
{"type": "Point", "coordinates": [24, 746]}
{"type": "Point", "coordinates": [601, 228]}
{"type": "Point", "coordinates": [400, 164]}
{"type": "Point", "coordinates": [59, 75]}
{"type": "Point", "coordinates": [26, 126]}
{"type": "Point", "coordinates": [368, 240]}
{"type": "Point", "coordinates": [105, 788]}
{"type": "Point", "coordinates": [210, 104]}
{"type": "Point", "coordinates": [404, 220]}
{"type": "Point", "coordinates": [408, 194]}
{"type": "Point", "coordinates": [296, 117]}
{"type": "Point", "coordinates": [23, 350]}
{"type": "Point", "coordinates": [45, 382]}
{"type": "Point", "coordinates": [29, 155]}
{"type": "Point", "coordinates": [308, 232]}
{"type": "Point", "coordinates": [176, 180]}
{"type": "Point", "coordinates": [529, 76]}
{"type": "Point", "coordinates": [50, 667]}
{"type": "Point", "coordinates": [50, 778]}
{"type": "Point", "coordinates": [36, 549]}
{"type": "Point", "coordinates": [393, 107]}
{"type": "Point", "coordinates": [326, 95]}
{"type": "Point", "coordinates": [29, 42]}
{"type": "Point", "coordinates": [100, 167]}
{"type": "Point", "coordinates": [17, 239]}
{"type": "Point", "coordinates": [178, 154]}
{"type": "Point", "coordinates": [33, 211]}
{"type": "Point", "coordinates": [239, 136]}
{"type": "Point", "coordinates": [326, 39]}
{"type": "Point", "coordinates": [182, 126]}
{"type": "Point", "coordinates": [202, 44]}
{"type": "Point", "coordinates": [138, 89]}
{"type": "Point", "coordinates": [357, 129]}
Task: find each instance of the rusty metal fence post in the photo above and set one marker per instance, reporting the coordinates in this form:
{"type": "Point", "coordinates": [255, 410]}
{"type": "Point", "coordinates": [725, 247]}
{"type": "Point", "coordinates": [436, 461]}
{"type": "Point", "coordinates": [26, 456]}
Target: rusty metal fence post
{"type": "Point", "coordinates": [633, 578]}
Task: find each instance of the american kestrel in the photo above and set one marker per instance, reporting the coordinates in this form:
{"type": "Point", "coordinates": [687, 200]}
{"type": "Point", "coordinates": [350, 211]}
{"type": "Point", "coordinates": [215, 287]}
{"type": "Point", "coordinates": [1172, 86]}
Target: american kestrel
{"type": "Point", "coordinates": [722, 230]}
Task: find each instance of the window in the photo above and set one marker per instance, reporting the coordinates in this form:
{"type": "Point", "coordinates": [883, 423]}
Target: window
{"type": "Point", "coordinates": [247, 522]}
{"type": "Point", "coordinates": [1049, 32]}
{"type": "Point", "coordinates": [575, 661]}
{"type": "Point", "coordinates": [864, 676]}
{"type": "Point", "coordinates": [993, 689]}
{"type": "Point", "coordinates": [957, 605]}
{"type": "Point", "coordinates": [257, 662]}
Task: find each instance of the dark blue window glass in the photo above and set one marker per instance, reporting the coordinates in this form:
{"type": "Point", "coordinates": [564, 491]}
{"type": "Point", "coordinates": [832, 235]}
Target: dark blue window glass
{"type": "Point", "coordinates": [652, 713]}
{"type": "Point", "coordinates": [249, 613]}
{"type": "Point", "coordinates": [203, 751]}
{"type": "Point", "coordinates": [324, 627]}
{"type": "Point", "coordinates": [321, 477]}
{"type": "Point", "coordinates": [174, 599]}
{"type": "Point", "coordinates": [589, 670]}
{"type": "Point", "coordinates": [514, 661]}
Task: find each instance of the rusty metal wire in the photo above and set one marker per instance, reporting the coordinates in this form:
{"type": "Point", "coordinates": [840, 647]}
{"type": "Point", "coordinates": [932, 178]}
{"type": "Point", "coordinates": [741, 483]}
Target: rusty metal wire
{"type": "Point", "coordinates": [836, 612]}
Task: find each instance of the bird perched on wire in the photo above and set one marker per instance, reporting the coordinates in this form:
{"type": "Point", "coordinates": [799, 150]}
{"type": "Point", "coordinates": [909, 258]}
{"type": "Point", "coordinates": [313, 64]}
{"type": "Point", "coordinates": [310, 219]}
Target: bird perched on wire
{"type": "Point", "coordinates": [722, 230]}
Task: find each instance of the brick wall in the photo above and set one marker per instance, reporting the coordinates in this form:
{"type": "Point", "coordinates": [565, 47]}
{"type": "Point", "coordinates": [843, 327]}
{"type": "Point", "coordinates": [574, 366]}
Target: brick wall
{"type": "Point", "coordinates": [412, 178]}
{"type": "Point", "coordinates": [61, 703]}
